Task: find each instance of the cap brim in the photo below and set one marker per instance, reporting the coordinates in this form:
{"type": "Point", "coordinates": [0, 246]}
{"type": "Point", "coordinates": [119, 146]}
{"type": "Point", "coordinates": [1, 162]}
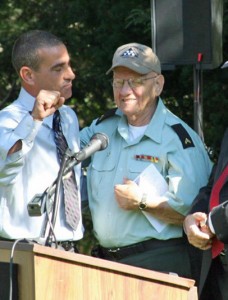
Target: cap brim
{"type": "Point", "coordinates": [135, 68]}
{"type": "Point", "coordinates": [225, 65]}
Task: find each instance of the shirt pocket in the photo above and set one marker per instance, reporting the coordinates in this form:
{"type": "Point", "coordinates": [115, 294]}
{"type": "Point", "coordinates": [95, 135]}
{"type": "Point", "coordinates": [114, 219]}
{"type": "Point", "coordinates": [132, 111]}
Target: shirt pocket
{"type": "Point", "coordinates": [101, 171]}
{"type": "Point", "coordinates": [137, 168]}
{"type": "Point", "coordinates": [101, 174]}
{"type": "Point", "coordinates": [103, 163]}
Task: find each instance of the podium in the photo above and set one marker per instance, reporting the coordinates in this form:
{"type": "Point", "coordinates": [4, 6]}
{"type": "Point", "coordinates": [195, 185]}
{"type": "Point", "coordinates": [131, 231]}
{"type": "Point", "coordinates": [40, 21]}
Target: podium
{"type": "Point", "coordinates": [44, 273]}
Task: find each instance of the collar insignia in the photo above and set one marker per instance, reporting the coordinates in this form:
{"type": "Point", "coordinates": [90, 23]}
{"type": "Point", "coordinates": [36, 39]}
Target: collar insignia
{"type": "Point", "coordinates": [187, 141]}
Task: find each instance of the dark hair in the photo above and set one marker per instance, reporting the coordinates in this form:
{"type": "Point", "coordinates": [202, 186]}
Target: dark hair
{"type": "Point", "coordinates": [25, 48]}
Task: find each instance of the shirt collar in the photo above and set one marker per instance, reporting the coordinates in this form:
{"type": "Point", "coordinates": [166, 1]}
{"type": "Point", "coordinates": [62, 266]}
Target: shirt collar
{"type": "Point", "coordinates": [27, 101]}
{"type": "Point", "coordinates": [155, 127]}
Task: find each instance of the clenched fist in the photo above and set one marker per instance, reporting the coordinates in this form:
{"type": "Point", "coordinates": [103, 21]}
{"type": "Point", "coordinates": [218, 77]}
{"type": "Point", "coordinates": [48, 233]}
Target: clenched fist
{"type": "Point", "coordinates": [46, 103]}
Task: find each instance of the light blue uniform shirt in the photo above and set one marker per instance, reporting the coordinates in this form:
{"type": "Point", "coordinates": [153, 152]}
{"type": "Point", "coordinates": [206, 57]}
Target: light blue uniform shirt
{"type": "Point", "coordinates": [185, 170]}
{"type": "Point", "coordinates": [33, 169]}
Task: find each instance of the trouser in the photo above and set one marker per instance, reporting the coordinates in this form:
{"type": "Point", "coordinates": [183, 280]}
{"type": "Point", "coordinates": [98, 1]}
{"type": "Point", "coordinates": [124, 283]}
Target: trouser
{"type": "Point", "coordinates": [169, 256]}
{"type": "Point", "coordinates": [216, 284]}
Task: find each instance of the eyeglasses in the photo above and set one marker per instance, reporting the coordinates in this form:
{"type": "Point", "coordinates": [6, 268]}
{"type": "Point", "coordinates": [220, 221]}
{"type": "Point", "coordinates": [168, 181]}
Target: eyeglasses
{"type": "Point", "coordinates": [132, 82]}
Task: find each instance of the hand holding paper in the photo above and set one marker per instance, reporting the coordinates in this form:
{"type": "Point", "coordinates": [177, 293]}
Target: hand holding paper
{"type": "Point", "coordinates": [152, 183]}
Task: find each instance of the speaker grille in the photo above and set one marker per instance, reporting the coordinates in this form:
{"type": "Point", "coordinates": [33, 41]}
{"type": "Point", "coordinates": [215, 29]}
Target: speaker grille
{"type": "Point", "coordinates": [183, 28]}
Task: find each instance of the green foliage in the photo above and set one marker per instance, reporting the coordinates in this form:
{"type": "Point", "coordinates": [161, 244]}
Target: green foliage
{"type": "Point", "coordinates": [92, 31]}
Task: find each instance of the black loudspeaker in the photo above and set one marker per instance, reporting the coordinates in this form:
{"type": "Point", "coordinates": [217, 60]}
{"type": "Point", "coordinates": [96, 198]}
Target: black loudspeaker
{"type": "Point", "coordinates": [184, 29]}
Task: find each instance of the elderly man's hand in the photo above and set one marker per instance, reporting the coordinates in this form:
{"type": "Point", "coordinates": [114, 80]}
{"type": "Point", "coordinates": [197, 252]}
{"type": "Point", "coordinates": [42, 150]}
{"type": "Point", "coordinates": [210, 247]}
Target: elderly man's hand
{"type": "Point", "coordinates": [128, 195]}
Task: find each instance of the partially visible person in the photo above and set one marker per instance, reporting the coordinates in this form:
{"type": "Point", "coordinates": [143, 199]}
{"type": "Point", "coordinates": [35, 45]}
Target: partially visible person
{"type": "Point", "coordinates": [207, 224]}
{"type": "Point", "coordinates": [29, 161]}
{"type": "Point", "coordinates": [133, 225]}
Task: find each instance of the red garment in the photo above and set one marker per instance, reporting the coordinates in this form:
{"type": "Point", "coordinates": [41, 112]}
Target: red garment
{"type": "Point", "coordinates": [217, 246]}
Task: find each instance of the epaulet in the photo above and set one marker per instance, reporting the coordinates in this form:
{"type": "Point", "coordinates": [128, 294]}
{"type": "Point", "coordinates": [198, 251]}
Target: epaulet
{"type": "Point", "coordinates": [182, 133]}
{"type": "Point", "coordinates": [108, 114]}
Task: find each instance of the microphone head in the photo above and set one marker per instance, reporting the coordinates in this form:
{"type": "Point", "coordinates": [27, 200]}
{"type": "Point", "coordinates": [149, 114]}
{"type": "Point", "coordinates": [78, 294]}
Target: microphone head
{"type": "Point", "coordinates": [103, 138]}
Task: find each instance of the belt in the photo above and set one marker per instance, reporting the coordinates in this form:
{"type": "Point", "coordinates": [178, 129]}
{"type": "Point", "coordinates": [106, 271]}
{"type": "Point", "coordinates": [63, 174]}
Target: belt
{"type": "Point", "coordinates": [121, 252]}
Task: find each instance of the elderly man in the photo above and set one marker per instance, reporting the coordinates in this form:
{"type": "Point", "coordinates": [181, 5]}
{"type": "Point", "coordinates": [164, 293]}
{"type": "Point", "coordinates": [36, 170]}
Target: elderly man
{"type": "Point", "coordinates": [142, 185]}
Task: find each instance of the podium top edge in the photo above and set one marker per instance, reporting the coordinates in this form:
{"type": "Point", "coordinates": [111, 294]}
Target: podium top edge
{"type": "Point", "coordinates": [85, 260]}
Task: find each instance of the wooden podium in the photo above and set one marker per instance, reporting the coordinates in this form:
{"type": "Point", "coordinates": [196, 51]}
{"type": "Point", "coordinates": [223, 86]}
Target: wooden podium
{"type": "Point", "coordinates": [49, 274]}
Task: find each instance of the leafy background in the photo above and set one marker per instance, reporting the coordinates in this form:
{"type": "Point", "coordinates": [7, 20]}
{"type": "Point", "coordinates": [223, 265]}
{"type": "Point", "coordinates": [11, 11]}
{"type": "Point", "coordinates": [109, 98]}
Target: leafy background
{"type": "Point", "coordinates": [92, 31]}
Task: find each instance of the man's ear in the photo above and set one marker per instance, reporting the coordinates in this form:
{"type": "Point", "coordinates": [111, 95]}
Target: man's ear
{"type": "Point", "coordinates": [160, 80]}
{"type": "Point", "coordinates": [27, 75]}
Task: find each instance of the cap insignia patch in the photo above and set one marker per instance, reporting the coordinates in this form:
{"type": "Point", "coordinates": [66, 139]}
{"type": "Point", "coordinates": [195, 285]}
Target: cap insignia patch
{"type": "Point", "coordinates": [130, 53]}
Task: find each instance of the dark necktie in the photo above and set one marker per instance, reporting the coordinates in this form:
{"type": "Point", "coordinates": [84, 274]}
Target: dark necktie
{"type": "Point", "coordinates": [217, 246]}
{"type": "Point", "coordinates": [70, 188]}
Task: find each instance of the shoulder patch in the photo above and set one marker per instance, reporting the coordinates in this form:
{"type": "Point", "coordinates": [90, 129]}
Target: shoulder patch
{"type": "Point", "coordinates": [182, 133]}
{"type": "Point", "coordinates": [108, 114]}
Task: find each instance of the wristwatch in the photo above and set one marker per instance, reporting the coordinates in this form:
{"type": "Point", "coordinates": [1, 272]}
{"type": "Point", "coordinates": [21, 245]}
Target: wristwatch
{"type": "Point", "coordinates": [142, 203]}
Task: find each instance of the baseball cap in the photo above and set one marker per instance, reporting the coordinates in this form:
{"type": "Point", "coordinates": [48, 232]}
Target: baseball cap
{"type": "Point", "coordinates": [137, 57]}
{"type": "Point", "coordinates": [225, 65]}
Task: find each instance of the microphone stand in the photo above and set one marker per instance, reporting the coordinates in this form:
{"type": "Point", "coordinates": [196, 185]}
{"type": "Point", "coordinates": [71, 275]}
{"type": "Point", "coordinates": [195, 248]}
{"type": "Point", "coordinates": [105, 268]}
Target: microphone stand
{"type": "Point", "coordinates": [58, 186]}
{"type": "Point", "coordinates": [43, 202]}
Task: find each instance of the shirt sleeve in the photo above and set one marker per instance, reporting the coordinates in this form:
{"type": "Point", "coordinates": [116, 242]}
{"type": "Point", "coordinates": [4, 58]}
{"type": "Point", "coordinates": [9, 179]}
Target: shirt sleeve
{"type": "Point", "coordinates": [86, 134]}
{"type": "Point", "coordinates": [25, 131]}
{"type": "Point", "coordinates": [210, 223]}
{"type": "Point", "coordinates": [188, 171]}
{"type": "Point", "coordinates": [219, 221]}
{"type": "Point", "coordinates": [201, 202]}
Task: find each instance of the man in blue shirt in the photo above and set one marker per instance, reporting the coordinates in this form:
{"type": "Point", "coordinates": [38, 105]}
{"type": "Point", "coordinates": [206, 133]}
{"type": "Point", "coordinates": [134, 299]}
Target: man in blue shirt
{"type": "Point", "coordinates": [135, 220]}
{"type": "Point", "coordinates": [28, 153]}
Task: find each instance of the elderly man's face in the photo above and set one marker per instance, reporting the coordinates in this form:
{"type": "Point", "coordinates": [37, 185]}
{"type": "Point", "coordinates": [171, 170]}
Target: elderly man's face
{"type": "Point", "coordinates": [138, 102]}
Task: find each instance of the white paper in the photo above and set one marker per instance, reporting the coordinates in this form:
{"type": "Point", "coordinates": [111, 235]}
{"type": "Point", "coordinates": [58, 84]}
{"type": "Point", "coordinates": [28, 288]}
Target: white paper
{"type": "Point", "coordinates": [152, 183]}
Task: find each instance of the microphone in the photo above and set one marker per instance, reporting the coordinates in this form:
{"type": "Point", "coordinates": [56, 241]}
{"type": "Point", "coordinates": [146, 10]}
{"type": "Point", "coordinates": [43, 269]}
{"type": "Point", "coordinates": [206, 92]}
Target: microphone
{"type": "Point", "coordinates": [37, 206]}
{"type": "Point", "coordinates": [98, 142]}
